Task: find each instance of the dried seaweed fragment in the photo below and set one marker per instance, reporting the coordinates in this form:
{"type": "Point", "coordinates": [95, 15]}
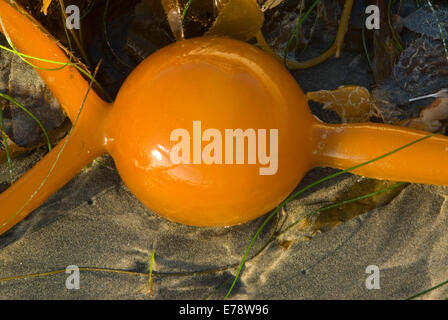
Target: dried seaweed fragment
{"type": "Point", "coordinates": [240, 19]}
{"type": "Point", "coordinates": [329, 219]}
{"type": "Point", "coordinates": [351, 103]}
{"type": "Point", "coordinates": [270, 4]}
{"type": "Point", "coordinates": [13, 149]}
{"type": "Point", "coordinates": [174, 17]}
{"type": "Point", "coordinates": [45, 5]}
{"type": "Point", "coordinates": [430, 117]}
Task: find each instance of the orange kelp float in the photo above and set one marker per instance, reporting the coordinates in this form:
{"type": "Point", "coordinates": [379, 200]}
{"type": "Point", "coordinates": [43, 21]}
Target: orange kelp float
{"type": "Point", "coordinates": [195, 91]}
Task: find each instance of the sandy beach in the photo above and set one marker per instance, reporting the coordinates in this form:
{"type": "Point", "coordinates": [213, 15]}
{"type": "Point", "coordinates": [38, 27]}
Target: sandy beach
{"type": "Point", "coordinates": [95, 222]}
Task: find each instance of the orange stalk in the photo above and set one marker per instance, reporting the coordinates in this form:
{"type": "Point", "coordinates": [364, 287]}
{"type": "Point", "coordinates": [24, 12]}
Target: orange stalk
{"type": "Point", "coordinates": [70, 88]}
{"type": "Point", "coordinates": [347, 145]}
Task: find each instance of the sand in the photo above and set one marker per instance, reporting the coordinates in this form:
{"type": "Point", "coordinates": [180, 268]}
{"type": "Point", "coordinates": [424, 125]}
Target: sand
{"type": "Point", "coordinates": [96, 222]}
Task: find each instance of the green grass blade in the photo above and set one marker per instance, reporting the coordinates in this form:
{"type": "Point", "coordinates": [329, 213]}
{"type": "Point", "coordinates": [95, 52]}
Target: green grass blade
{"type": "Point", "coordinates": [187, 6]}
{"type": "Point", "coordinates": [428, 290]}
{"type": "Point", "coordinates": [442, 33]}
{"type": "Point", "coordinates": [16, 52]}
{"type": "Point", "coordinates": [5, 143]}
{"type": "Point", "coordinates": [364, 43]}
{"type": "Point", "coordinates": [151, 264]}
{"type": "Point", "coordinates": [392, 30]}
{"type": "Point", "coordinates": [296, 29]}
{"type": "Point", "coordinates": [106, 36]}
{"type": "Point", "coordinates": [28, 112]}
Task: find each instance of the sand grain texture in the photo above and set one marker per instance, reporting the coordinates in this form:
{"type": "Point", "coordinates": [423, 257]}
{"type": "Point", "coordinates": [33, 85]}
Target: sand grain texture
{"type": "Point", "coordinates": [96, 222]}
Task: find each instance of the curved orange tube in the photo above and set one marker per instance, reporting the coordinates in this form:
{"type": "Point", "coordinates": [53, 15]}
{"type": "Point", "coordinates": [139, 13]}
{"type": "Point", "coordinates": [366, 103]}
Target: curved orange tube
{"type": "Point", "coordinates": [69, 87]}
{"type": "Point", "coordinates": [199, 89]}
